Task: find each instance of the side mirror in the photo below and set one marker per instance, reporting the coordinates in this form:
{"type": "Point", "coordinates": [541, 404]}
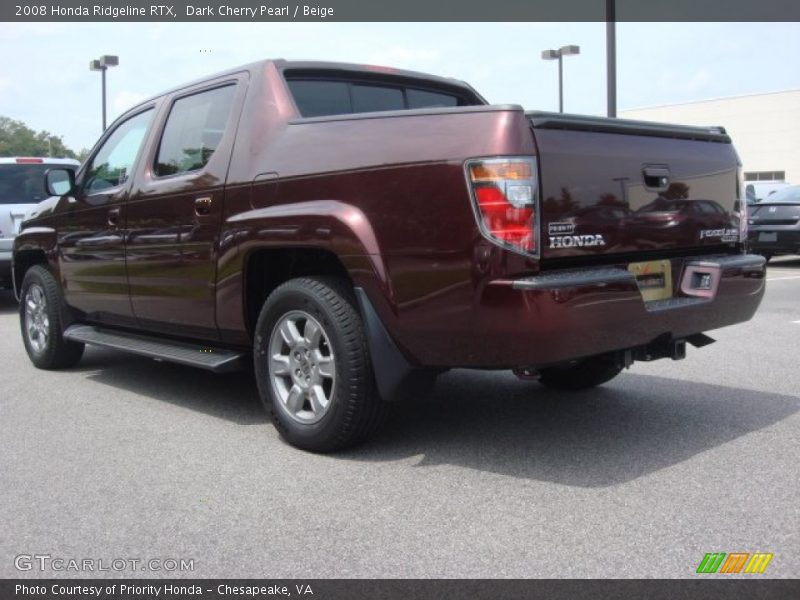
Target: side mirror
{"type": "Point", "coordinates": [59, 181]}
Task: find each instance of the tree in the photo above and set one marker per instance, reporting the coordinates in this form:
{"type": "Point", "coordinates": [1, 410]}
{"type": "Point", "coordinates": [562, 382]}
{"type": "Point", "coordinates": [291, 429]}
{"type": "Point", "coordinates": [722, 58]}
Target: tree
{"type": "Point", "coordinates": [17, 139]}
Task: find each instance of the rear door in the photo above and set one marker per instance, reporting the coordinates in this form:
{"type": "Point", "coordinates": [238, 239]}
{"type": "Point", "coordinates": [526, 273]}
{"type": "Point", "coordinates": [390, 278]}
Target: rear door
{"type": "Point", "coordinates": [175, 210]}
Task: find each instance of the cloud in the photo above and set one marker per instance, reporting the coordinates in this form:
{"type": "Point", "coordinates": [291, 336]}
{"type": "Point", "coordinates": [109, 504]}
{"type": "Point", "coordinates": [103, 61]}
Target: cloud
{"type": "Point", "coordinates": [25, 31]}
{"type": "Point", "coordinates": [124, 100]}
{"type": "Point", "coordinates": [404, 58]}
{"type": "Point", "coordinates": [5, 84]}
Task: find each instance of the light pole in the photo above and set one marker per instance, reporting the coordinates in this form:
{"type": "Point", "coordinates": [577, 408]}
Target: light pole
{"type": "Point", "coordinates": [102, 64]}
{"type": "Point", "coordinates": [611, 57]}
{"type": "Point", "coordinates": [558, 55]}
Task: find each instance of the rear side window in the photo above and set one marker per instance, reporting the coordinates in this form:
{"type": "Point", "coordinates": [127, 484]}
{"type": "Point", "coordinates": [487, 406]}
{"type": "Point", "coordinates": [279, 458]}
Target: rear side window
{"type": "Point", "coordinates": [194, 129]}
{"type": "Point", "coordinates": [328, 97]}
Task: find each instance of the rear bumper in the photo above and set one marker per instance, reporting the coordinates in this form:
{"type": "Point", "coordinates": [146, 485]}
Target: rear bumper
{"type": "Point", "coordinates": [559, 316]}
{"type": "Point", "coordinates": [787, 241]}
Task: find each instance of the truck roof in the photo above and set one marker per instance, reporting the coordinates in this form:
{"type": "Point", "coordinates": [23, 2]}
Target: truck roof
{"type": "Point", "coordinates": [321, 66]}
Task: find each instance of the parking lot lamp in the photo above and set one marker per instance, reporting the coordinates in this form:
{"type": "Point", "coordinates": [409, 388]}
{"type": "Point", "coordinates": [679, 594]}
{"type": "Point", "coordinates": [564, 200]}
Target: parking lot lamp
{"type": "Point", "coordinates": [558, 55]}
{"type": "Point", "coordinates": [102, 64]}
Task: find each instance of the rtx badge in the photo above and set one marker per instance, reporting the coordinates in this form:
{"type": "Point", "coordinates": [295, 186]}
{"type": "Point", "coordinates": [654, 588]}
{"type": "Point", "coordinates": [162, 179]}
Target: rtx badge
{"type": "Point", "coordinates": [560, 228]}
{"type": "Point", "coordinates": [576, 241]}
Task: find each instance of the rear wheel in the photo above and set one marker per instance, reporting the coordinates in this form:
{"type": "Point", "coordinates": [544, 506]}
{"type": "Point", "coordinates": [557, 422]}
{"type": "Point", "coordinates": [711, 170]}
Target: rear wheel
{"type": "Point", "coordinates": [587, 373]}
{"type": "Point", "coordinates": [40, 319]}
{"type": "Point", "coordinates": [313, 368]}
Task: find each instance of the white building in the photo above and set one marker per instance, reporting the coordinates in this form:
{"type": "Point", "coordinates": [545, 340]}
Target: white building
{"type": "Point", "coordinates": [765, 129]}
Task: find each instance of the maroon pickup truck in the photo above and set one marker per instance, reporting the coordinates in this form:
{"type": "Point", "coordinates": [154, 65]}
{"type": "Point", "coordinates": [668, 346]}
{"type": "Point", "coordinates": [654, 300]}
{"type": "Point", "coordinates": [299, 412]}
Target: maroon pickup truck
{"type": "Point", "coordinates": [354, 231]}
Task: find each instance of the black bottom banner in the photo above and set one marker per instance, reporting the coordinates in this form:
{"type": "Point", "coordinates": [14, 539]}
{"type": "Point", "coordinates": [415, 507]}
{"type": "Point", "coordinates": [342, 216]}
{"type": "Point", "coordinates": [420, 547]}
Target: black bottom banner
{"type": "Point", "coordinates": [395, 589]}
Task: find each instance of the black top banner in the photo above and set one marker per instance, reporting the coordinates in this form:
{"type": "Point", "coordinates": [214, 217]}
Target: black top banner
{"type": "Point", "coordinates": [399, 10]}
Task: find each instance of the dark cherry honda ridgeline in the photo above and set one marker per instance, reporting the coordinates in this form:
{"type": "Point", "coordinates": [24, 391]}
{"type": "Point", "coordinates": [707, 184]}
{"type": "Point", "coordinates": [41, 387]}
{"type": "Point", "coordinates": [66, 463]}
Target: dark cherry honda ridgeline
{"type": "Point", "coordinates": [359, 230]}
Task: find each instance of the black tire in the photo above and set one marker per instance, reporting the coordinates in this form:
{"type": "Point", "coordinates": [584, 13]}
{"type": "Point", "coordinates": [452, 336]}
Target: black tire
{"type": "Point", "coordinates": [55, 352]}
{"type": "Point", "coordinates": [355, 410]}
{"type": "Point", "coordinates": [587, 373]}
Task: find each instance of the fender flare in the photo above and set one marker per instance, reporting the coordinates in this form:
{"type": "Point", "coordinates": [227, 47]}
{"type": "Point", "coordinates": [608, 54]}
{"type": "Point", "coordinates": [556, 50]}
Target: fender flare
{"type": "Point", "coordinates": [332, 225]}
{"type": "Point", "coordinates": [34, 240]}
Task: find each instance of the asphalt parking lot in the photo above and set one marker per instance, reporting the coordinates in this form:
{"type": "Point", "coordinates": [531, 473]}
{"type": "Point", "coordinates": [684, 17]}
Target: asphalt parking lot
{"type": "Point", "coordinates": [123, 457]}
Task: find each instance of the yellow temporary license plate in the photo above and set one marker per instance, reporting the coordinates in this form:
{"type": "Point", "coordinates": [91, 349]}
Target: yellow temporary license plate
{"type": "Point", "coordinates": [654, 279]}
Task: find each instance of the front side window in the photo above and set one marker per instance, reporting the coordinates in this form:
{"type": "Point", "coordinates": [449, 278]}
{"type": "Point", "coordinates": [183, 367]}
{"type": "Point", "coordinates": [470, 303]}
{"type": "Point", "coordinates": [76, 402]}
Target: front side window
{"type": "Point", "coordinates": [113, 163]}
{"type": "Point", "coordinates": [194, 129]}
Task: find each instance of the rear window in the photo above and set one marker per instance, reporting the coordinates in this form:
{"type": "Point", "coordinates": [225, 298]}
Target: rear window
{"type": "Point", "coordinates": [24, 183]}
{"type": "Point", "coordinates": [372, 98]}
{"type": "Point", "coordinates": [789, 195]}
{"type": "Point", "coordinates": [316, 97]}
{"type": "Point", "coordinates": [426, 99]}
{"type": "Point", "coordinates": [320, 98]}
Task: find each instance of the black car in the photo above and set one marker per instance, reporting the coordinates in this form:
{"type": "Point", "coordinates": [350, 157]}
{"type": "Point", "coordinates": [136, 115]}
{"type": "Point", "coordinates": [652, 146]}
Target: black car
{"type": "Point", "coordinates": [774, 223]}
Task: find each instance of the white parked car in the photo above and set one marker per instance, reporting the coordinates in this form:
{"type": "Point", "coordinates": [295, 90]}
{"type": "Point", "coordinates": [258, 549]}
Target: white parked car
{"type": "Point", "coordinates": [21, 188]}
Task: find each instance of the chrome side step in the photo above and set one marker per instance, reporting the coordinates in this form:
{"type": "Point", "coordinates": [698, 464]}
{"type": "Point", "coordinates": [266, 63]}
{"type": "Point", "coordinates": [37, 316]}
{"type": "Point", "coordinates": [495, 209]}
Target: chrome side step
{"type": "Point", "coordinates": [218, 360]}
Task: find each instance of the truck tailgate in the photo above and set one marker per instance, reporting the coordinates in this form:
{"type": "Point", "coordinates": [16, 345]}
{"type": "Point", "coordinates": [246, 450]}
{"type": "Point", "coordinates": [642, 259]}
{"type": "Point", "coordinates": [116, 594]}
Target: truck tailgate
{"type": "Point", "coordinates": [613, 186]}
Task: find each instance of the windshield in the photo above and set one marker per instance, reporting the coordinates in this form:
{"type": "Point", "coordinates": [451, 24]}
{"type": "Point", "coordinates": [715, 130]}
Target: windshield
{"type": "Point", "coordinates": [24, 183]}
{"type": "Point", "coordinates": [788, 195]}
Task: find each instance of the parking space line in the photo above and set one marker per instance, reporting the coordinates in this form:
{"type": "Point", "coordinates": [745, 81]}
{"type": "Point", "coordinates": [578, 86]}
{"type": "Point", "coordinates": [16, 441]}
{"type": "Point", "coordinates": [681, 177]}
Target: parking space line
{"type": "Point", "coordinates": [783, 278]}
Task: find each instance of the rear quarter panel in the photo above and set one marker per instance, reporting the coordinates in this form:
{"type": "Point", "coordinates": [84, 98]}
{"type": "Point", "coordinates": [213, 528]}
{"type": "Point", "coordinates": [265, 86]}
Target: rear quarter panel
{"type": "Point", "coordinates": [388, 195]}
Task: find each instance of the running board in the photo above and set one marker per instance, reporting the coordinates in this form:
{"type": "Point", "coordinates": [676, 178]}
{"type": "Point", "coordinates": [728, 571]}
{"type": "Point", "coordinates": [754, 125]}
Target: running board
{"type": "Point", "coordinates": [218, 360]}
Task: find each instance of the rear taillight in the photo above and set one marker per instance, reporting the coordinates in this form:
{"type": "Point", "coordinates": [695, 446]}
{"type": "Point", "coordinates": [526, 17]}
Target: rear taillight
{"type": "Point", "coordinates": [505, 191]}
{"type": "Point", "coordinates": [29, 161]}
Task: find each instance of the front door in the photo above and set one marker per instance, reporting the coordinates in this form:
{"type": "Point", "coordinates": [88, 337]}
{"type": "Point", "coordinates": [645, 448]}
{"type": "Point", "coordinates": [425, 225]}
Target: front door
{"type": "Point", "coordinates": [92, 228]}
{"type": "Point", "coordinates": [174, 212]}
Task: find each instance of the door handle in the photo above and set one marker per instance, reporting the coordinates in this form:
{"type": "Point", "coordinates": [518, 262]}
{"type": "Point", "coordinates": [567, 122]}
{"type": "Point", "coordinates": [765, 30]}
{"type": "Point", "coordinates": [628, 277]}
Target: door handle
{"type": "Point", "coordinates": [656, 178]}
{"type": "Point", "coordinates": [113, 217]}
{"type": "Point", "coordinates": [202, 205]}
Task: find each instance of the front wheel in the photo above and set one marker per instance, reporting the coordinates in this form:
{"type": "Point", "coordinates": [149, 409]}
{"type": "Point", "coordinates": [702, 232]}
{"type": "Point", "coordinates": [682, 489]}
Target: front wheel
{"type": "Point", "coordinates": [40, 313]}
{"type": "Point", "coordinates": [587, 373]}
{"type": "Point", "coordinates": [313, 368]}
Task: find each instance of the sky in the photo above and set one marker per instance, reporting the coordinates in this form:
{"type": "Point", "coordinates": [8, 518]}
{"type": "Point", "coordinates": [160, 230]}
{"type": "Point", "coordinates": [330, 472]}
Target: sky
{"type": "Point", "coordinates": [45, 79]}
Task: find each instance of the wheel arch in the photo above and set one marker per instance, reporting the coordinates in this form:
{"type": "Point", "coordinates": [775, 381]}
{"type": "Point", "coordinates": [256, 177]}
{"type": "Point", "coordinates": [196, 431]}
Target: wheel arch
{"type": "Point", "coordinates": [317, 237]}
{"type": "Point", "coordinates": [33, 246]}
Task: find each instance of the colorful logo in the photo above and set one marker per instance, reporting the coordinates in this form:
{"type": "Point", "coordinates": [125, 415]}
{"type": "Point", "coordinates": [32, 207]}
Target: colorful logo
{"type": "Point", "coordinates": [736, 562]}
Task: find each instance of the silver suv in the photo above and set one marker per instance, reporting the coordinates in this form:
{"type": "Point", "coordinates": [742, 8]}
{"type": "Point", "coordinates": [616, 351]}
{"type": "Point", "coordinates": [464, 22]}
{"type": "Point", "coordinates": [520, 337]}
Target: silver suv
{"type": "Point", "coordinates": [21, 189]}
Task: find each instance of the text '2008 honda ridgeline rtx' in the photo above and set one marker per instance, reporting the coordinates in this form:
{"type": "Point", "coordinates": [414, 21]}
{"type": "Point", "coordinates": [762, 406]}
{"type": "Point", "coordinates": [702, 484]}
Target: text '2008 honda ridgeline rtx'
{"type": "Point", "coordinates": [355, 231]}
